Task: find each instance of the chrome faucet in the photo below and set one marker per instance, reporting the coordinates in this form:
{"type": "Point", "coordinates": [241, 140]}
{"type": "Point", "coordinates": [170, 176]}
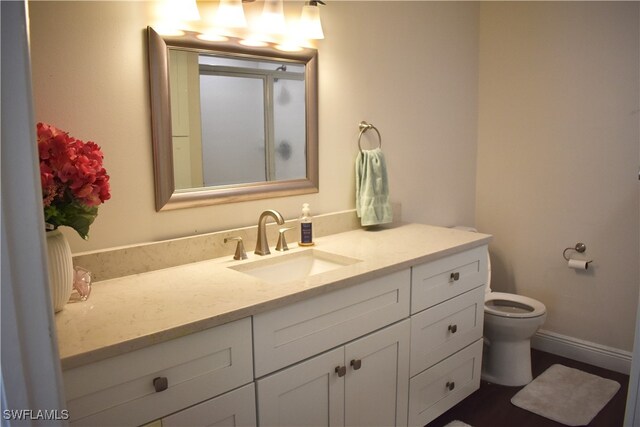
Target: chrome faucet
{"type": "Point", "coordinates": [262, 246]}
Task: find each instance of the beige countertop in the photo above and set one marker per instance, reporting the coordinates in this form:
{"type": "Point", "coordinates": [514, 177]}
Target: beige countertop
{"type": "Point", "coordinates": [132, 312]}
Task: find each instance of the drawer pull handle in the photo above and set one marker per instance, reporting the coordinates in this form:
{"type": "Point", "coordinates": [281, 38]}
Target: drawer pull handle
{"type": "Point", "coordinates": [160, 384]}
{"type": "Point", "coordinates": [454, 277]}
{"type": "Point", "coordinates": [341, 371]}
{"type": "Point", "coordinates": [451, 385]}
{"type": "Point", "coordinates": [356, 364]}
{"type": "Point", "coordinates": [453, 328]}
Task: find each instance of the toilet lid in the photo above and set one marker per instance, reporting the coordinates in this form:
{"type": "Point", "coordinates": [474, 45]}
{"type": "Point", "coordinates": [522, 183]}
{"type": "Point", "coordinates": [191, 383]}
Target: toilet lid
{"type": "Point", "coordinates": [512, 305]}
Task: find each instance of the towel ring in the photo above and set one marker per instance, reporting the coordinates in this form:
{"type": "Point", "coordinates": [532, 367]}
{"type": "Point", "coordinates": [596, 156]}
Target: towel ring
{"type": "Point", "coordinates": [364, 126]}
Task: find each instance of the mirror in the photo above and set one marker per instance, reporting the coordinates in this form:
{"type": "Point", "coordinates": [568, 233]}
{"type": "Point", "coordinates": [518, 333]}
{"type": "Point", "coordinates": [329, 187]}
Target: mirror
{"type": "Point", "coordinates": [230, 122]}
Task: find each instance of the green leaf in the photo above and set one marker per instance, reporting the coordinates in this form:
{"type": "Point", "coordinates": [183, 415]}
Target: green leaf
{"type": "Point", "coordinates": [80, 217]}
{"type": "Point", "coordinates": [74, 215]}
{"type": "Point", "coordinates": [53, 216]}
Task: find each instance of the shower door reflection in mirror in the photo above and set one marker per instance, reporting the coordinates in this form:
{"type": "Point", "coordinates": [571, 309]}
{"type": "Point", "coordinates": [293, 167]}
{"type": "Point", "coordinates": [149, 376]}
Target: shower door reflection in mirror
{"type": "Point", "coordinates": [236, 121]}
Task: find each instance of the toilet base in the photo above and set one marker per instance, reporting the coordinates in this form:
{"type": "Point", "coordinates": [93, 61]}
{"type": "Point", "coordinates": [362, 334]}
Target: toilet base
{"type": "Point", "coordinates": [507, 362]}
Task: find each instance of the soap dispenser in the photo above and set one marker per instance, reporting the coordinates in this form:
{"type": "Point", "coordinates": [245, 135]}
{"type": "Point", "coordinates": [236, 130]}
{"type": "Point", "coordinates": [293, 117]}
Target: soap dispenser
{"type": "Point", "coordinates": [306, 227]}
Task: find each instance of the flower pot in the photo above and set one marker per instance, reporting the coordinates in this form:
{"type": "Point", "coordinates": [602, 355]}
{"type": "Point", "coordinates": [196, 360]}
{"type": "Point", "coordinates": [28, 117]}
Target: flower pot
{"type": "Point", "coordinates": [60, 269]}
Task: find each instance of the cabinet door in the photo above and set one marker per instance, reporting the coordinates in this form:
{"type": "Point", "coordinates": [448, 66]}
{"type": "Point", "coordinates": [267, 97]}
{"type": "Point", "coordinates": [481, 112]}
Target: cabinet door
{"type": "Point", "coordinates": [377, 380]}
{"type": "Point", "coordinates": [234, 409]}
{"type": "Point", "coordinates": [310, 393]}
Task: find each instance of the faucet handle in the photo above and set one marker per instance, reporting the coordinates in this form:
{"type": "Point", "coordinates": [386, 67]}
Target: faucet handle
{"type": "Point", "coordinates": [240, 252]}
{"type": "Point", "coordinates": [282, 243]}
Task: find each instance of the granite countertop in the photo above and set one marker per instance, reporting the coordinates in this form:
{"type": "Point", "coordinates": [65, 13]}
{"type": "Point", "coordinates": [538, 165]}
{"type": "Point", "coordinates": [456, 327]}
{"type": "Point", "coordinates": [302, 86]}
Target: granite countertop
{"type": "Point", "coordinates": [132, 312]}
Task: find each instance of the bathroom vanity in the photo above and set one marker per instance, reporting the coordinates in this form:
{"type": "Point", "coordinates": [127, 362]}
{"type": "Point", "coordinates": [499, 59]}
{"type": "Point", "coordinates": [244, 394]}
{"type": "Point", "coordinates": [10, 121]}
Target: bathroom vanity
{"type": "Point", "coordinates": [389, 332]}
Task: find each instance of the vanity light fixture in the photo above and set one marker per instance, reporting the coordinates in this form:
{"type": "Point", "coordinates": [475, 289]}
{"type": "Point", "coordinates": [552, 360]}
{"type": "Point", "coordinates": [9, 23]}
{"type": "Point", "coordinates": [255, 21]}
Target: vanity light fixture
{"type": "Point", "coordinates": [310, 24]}
{"type": "Point", "coordinates": [174, 15]}
{"type": "Point", "coordinates": [270, 28]}
{"type": "Point", "coordinates": [272, 20]}
{"type": "Point", "coordinates": [184, 10]}
{"type": "Point", "coordinates": [230, 14]}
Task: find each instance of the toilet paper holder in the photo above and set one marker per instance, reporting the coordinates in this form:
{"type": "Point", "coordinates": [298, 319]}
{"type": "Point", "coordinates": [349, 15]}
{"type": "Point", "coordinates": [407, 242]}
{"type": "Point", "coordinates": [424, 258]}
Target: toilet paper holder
{"type": "Point", "coordinates": [579, 247]}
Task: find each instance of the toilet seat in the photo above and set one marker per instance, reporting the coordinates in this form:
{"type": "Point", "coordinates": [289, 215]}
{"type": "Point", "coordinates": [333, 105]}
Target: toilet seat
{"type": "Point", "coordinates": [511, 305]}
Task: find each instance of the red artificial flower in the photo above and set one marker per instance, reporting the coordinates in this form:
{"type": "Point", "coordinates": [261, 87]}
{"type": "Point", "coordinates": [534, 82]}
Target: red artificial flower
{"type": "Point", "coordinates": [73, 180]}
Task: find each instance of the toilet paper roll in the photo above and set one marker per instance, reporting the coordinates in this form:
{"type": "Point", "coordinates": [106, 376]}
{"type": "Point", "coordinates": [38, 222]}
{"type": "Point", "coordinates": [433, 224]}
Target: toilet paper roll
{"type": "Point", "coordinates": [578, 264]}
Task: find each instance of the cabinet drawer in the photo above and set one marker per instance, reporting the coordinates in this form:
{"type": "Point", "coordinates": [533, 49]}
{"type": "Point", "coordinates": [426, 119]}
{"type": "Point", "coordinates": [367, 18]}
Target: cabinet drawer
{"type": "Point", "coordinates": [440, 280]}
{"type": "Point", "coordinates": [437, 389]}
{"type": "Point", "coordinates": [120, 390]}
{"type": "Point", "coordinates": [295, 332]}
{"type": "Point", "coordinates": [446, 328]}
{"type": "Point", "coordinates": [235, 408]}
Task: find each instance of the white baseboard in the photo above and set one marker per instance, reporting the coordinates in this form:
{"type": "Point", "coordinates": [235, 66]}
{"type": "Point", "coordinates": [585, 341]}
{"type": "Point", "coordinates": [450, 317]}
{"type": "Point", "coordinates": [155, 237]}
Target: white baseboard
{"type": "Point", "coordinates": [584, 351]}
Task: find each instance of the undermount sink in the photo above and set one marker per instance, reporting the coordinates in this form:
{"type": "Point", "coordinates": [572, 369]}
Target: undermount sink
{"type": "Point", "coordinates": [294, 266]}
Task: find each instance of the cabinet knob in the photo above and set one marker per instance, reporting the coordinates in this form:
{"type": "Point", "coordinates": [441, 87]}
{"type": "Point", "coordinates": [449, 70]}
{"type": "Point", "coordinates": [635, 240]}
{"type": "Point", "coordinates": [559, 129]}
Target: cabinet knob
{"type": "Point", "coordinates": [160, 384]}
{"type": "Point", "coordinates": [356, 364]}
{"type": "Point", "coordinates": [454, 277]}
{"type": "Point", "coordinates": [341, 371]}
{"type": "Point", "coordinates": [453, 328]}
{"type": "Point", "coordinates": [451, 385]}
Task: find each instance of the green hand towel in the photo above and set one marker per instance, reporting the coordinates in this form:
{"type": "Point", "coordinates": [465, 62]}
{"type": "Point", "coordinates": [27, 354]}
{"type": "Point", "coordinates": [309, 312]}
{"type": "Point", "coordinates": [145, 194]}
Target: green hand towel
{"type": "Point", "coordinates": [372, 188]}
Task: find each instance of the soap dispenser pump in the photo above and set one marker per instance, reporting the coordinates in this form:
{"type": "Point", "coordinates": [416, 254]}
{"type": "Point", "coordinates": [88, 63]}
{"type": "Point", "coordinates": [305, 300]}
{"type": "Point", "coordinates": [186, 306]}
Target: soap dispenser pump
{"type": "Point", "coordinates": [306, 227]}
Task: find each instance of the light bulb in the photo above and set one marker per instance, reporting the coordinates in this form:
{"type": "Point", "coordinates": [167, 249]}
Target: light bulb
{"type": "Point", "coordinates": [272, 20]}
{"type": "Point", "coordinates": [310, 24]}
{"type": "Point", "coordinates": [230, 14]}
{"type": "Point", "coordinates": [174, 15]}
{"type": "Point", "coordinates": [183, 10]}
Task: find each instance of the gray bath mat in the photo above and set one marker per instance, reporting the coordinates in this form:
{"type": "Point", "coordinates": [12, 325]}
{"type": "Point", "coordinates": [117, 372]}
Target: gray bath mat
{"type": "Point", "coordinates": [457, 423]}
{"type": "Point", "coordinates": [566, 395]}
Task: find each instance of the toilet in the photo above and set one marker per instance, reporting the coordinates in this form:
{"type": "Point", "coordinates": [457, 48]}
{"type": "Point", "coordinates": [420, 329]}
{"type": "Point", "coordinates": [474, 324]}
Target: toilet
{"type": "Point", "coordinates": [510, 321]}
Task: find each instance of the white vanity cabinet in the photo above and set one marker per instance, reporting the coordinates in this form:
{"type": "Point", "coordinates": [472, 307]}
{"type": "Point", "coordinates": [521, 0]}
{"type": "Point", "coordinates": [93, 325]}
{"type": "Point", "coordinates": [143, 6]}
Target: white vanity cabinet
{"type": "Point", "coordinates": [363, 383]}
{"type": "Point", "coordinates": [385, 342]}
{"type": "Point", "coordinates": [447, 309]}
{"type": "Point", "coordinates": [150, 383]}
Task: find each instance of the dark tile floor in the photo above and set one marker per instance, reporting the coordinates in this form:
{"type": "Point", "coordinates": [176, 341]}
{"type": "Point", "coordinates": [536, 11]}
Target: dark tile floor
{"type": "Point", "coordinates": [491, 406]}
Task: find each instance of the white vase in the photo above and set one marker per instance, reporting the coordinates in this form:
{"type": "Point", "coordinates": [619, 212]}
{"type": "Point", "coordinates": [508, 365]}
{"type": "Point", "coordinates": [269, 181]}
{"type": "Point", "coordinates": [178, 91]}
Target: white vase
{"type": "Point", "coordinates": [60, 269]}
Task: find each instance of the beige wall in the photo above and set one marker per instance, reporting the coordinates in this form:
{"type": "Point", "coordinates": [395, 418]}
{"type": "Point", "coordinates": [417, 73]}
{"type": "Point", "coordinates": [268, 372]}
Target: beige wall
{"type": "Point", "coordinates": [410, 68]}
{"type": "Point", "coordinates": [558, 159]}
{"type": "Point", "coordinates": [557, 128]}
